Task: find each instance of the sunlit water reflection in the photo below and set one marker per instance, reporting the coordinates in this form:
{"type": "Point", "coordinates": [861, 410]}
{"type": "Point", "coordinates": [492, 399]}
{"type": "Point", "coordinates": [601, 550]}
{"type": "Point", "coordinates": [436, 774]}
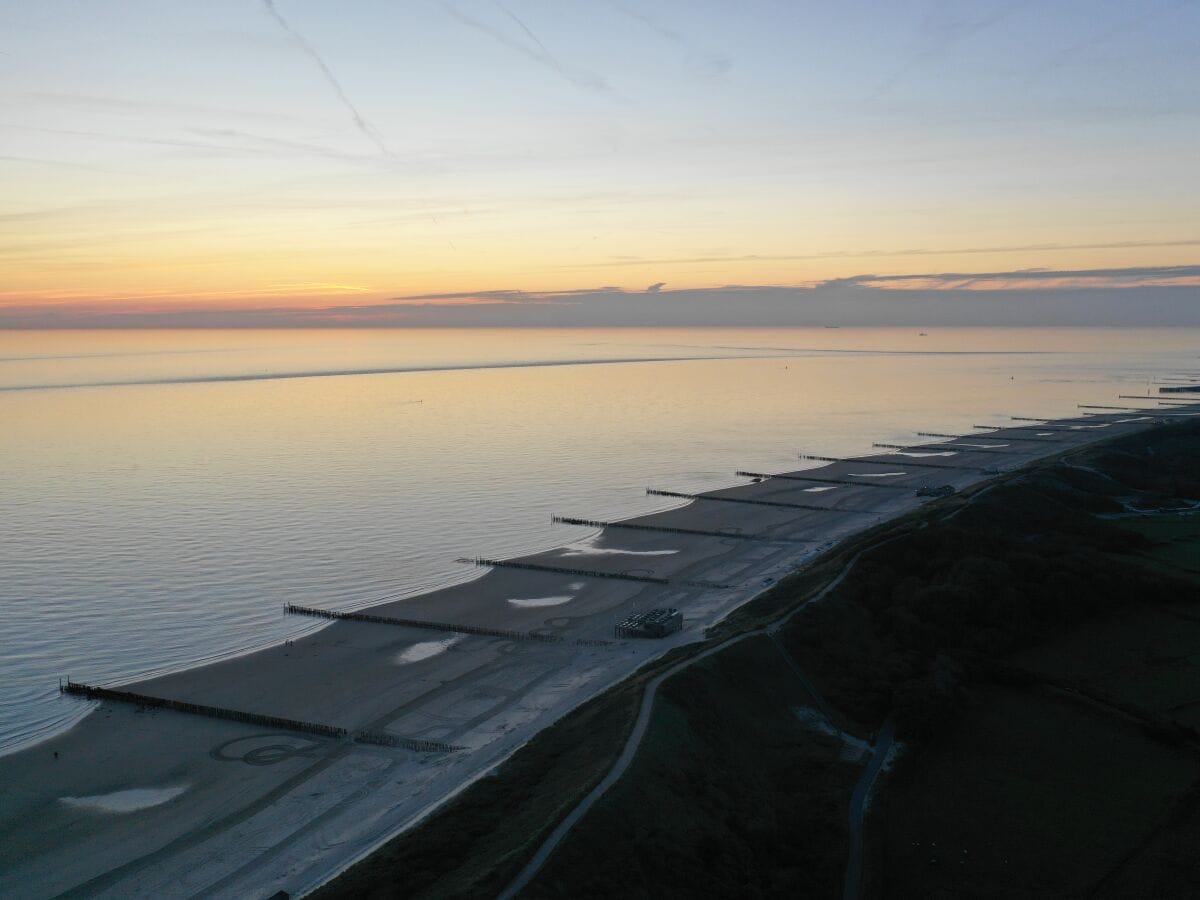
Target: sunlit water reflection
{"type": "Point", "coordinates": [168, 520]}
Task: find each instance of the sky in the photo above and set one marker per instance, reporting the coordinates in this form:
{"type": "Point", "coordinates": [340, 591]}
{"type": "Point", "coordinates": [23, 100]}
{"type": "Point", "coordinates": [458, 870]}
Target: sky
{"type": "Point", "coordinates": [383, 162]}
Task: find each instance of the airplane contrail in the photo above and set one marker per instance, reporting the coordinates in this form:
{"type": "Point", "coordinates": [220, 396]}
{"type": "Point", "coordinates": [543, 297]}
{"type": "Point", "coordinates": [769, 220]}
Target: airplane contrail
{"type": "Point", "coordinates": [1113, 33]}
{"type": "Point", "coordinates": [534, 49]}
{"type": "Point", "coordinates": [938, 47]}
{"type": "Point", "coordinates": [363, 125]}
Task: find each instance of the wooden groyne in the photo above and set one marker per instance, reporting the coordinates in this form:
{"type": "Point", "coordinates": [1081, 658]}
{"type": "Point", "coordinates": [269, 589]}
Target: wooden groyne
{"type": "Point", "coordinates": [939, 448]}
{"type": "Point", "coordinates": [1081, 421]}
{"type": "Point", "coordinates": [198, 709]}
{"type": "Point", "coordinates": [456, 628]}
{"type": "Point", "coordinates": [867, 461]}
{"type": "Point", "coordinates": [593, 523]}
{"type": "Point", "coordinates": [93, 692]}
{"type": "Point", "coordinates": [1182, 389]}
{"type": "Point", "coordinates": [592, 573]}
{"type": "Point", "coordinates": [1064, 428]}
{"type": "Point", "coordinates": [654, 492]}
{"type": "Point", "coordinates": [561, 570]}
{"type": "Point", "coordinates": [387, 739]}
{"type": "Point", "coordinates": [1154, 397]}
{"type": "Point", "coordinates": [1011, 440]}
{"type": "Point", "coordinates": [869, 484]}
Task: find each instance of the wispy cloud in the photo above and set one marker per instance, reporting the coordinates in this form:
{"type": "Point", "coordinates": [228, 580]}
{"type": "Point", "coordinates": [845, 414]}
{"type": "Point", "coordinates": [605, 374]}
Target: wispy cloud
{"type": "Point", "coordinates": [1017, 279]}
{"type": "Point", "coordinates": [324, 288]}
{"type": "Point", "coordinates": [1145, 296]}
{"type": "Point", "coordinates": [626, 261]}
{"type": "Point", "coordinates": [244, 144]}
{"type": "Point", "coordinates": [709, 64]}
{"type": "Point", "coordinates": [368, 130]}
{"type": "Point", "coordinates": [1118, 33]}
{"type": "Point", "coordinates": [502, 295]}
{"type": "Point", "coordinates": [224, 139]}
{"type": "Point", "coordinates": [220, 142]}
{"type": "Point", "coordinates": [532, 48]}
{"type": "Point", "coordinates": [56, 163]}
{"type": "Point", "coordinates": [92, 103]}
{"type": "Point", "coordinates": [237, 137]}
{"type": "Point", "coordinates": [944, 32]}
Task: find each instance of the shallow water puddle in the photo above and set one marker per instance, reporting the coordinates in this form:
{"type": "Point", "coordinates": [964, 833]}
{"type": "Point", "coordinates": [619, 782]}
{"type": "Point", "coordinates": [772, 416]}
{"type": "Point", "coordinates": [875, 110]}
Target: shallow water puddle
{"type": "Point", "coordinates": [877, 474]}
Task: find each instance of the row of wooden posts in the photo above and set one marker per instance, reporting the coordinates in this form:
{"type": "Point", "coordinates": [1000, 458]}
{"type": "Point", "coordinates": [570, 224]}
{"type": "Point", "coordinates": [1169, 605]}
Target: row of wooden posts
{"type": "Point", "coordinates": [94, 692]}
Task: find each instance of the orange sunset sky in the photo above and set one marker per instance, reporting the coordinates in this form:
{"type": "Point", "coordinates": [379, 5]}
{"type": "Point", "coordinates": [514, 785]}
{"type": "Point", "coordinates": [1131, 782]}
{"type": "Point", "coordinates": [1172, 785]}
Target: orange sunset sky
{"type": "Point", "coordinates": [233, 155]}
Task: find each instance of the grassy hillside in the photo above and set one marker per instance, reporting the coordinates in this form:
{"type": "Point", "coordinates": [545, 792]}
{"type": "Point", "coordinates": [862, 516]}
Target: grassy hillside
{"type": "Point", "coordinates": [1029, 794]}
{"type": "Point", "coordinates": [733, 794]}
{"type": "Point", "coordinates": [996, 570]}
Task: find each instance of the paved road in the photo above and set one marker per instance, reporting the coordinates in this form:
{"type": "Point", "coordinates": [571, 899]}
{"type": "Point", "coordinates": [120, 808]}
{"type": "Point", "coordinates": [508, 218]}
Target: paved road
{"type": "Point", "coordinates": [858, 807]}
{"type": "Point", "coordinates": [614, 774]}
{"type": "Point", "coordinates": [633, 742]}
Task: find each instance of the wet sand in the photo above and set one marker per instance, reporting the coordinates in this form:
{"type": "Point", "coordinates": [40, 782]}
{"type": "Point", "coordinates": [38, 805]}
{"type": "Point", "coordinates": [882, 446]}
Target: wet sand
{"type": "Point", "coordinates": [140, 802]}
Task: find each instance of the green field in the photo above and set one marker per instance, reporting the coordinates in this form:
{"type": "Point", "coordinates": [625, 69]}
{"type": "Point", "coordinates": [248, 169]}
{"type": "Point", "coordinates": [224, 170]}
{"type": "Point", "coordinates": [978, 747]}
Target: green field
{"type": "Point", "coordinates": [1030, 794]}
{"type": "Point", "coordinates": [731, 795]}
{"type": "Point", "coordinates": [1175, 542]}
{"type": "Point", "coordinates": [1146, 656]}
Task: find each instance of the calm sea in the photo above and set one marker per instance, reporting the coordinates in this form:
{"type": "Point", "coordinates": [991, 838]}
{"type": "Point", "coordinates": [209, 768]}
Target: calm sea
{"type": "Point", "coordinates": [165, 493]}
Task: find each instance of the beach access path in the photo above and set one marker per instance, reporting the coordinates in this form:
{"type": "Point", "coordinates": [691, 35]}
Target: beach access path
{"type": "Point", "coordinates": [634, 741]}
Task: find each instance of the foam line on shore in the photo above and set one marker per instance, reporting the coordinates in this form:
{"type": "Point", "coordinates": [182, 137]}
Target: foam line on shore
{"type": "Point", "coordinates": [381, 370]}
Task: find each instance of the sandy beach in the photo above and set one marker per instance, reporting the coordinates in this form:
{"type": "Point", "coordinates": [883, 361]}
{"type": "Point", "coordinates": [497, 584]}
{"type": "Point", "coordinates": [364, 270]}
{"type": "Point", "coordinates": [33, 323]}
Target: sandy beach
{"type": "Point", "coordinates": [141, 802]}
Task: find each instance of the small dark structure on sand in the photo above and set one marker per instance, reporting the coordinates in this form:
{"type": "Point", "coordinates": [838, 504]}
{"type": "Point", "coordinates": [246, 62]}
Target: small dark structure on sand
{"type": "Point", "coordinates": [944, 490]}
{"type": "Point", "coordinates": [657, 623]}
